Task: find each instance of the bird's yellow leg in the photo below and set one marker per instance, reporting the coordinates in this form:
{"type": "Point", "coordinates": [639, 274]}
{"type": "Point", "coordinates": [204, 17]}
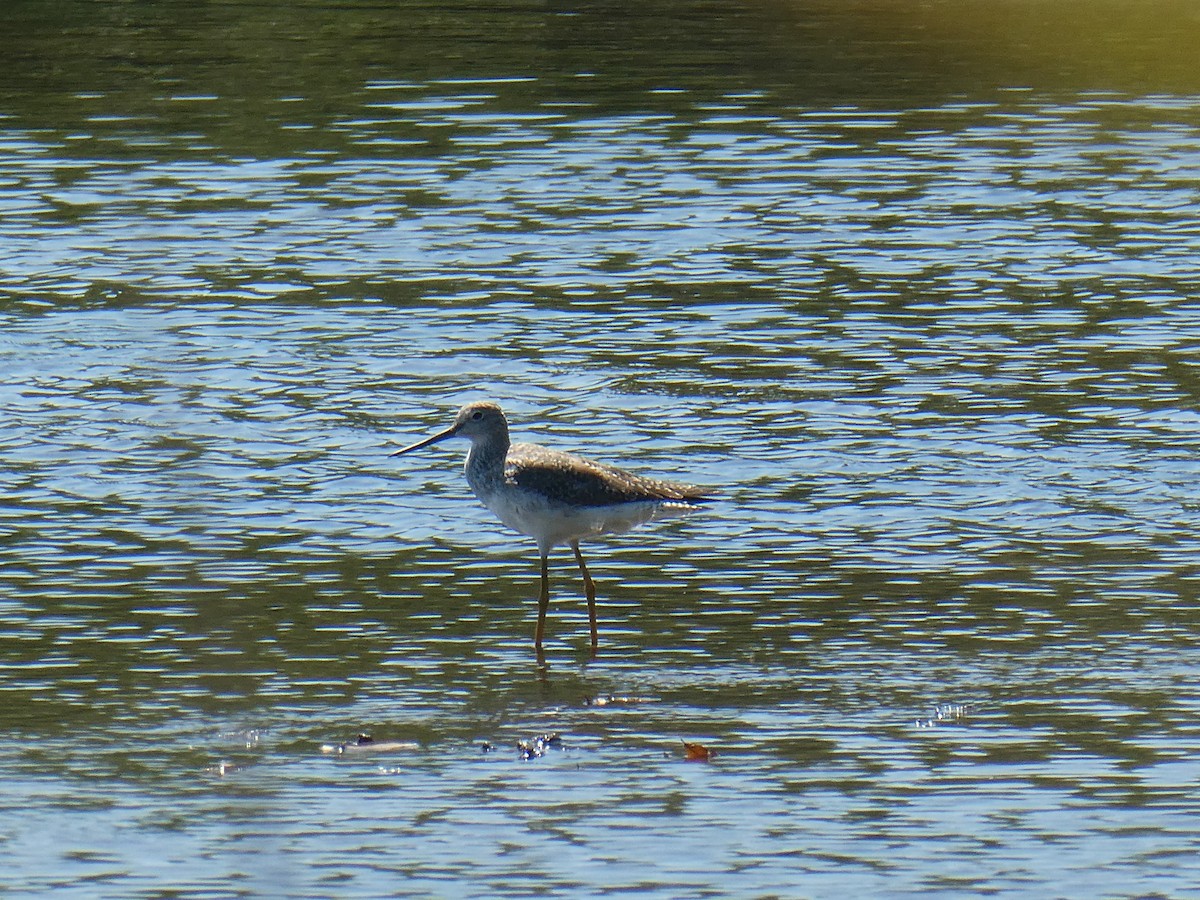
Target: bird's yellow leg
{"type": "Point", "coordinates": [589, 588]}
{"type": "Point", "coordinates": [543, 605]}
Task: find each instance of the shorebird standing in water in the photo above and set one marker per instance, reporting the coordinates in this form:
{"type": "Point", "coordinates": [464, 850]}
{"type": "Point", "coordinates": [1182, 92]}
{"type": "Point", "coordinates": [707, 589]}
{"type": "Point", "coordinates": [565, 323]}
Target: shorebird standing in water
{"type": "Point", "coordinates": [555, 497]}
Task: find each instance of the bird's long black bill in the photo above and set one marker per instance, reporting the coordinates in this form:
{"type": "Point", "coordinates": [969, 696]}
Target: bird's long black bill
{"type": "Point", "coordinates": [440, 436]}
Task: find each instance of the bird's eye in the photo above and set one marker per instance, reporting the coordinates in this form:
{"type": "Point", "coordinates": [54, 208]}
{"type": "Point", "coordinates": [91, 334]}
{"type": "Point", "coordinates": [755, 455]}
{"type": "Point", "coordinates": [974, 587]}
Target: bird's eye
{"type": "Point", "coordinates": [477, 415]}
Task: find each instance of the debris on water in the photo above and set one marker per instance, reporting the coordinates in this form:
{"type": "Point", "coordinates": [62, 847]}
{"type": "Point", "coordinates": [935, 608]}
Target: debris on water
{"type": "Point", "coordinates": [250, 737]}
{"type": "Point", "coordinates": [537, 747]}
{"type": "Point", "coordinates": [611, 700]}
{"type": "Point", "coordinates": [363, 740]}
{"type": "Point", "coordinates": [222, 769]}
{"type": "Point", "coordinates": [696, 752]}
{"type": "Point", "coordinates": [487, 747]}
{"type": "Point", "coordinates": [365, 743]}
{"type": "Point", "coordinates": [946, 714]}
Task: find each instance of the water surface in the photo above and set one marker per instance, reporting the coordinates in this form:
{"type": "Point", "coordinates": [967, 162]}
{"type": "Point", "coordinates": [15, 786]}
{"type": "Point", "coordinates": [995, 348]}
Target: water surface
{"type": "Point", "coordinates": [915, 289]}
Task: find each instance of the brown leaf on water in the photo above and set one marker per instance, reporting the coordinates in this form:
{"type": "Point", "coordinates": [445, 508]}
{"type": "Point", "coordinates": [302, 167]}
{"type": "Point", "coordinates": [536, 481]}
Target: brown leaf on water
{"type": "Point", "coordinates": [696, 752]}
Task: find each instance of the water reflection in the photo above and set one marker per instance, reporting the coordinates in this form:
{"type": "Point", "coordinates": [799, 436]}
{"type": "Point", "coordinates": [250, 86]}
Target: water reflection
{"type": "Point", "coordinates": [1003, 201]}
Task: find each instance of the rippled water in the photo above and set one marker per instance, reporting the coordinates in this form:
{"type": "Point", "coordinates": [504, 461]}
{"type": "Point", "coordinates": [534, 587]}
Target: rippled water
{"type": "Point", "coordinates": [930, 329]}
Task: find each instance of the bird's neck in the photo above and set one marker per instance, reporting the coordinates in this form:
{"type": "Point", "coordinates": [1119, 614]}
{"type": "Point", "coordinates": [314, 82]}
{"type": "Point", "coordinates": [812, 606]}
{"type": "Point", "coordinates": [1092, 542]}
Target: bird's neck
{"type": "Point", "coordinates": [485, 463]}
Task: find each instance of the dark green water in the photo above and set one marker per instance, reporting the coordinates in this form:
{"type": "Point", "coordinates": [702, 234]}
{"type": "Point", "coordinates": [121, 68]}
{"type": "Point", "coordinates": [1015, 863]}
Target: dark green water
{"type": "Point", "coordinates": [914, 285]}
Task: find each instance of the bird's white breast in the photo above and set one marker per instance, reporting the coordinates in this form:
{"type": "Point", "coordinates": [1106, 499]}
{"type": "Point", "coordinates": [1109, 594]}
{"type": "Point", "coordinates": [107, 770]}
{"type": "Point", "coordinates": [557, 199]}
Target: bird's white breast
{"type": "Point", "coordinates": [551, 523]}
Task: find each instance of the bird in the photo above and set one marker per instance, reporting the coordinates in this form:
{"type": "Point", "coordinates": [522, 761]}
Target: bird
{"type": "Point", "coordinates": [556, 497]}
